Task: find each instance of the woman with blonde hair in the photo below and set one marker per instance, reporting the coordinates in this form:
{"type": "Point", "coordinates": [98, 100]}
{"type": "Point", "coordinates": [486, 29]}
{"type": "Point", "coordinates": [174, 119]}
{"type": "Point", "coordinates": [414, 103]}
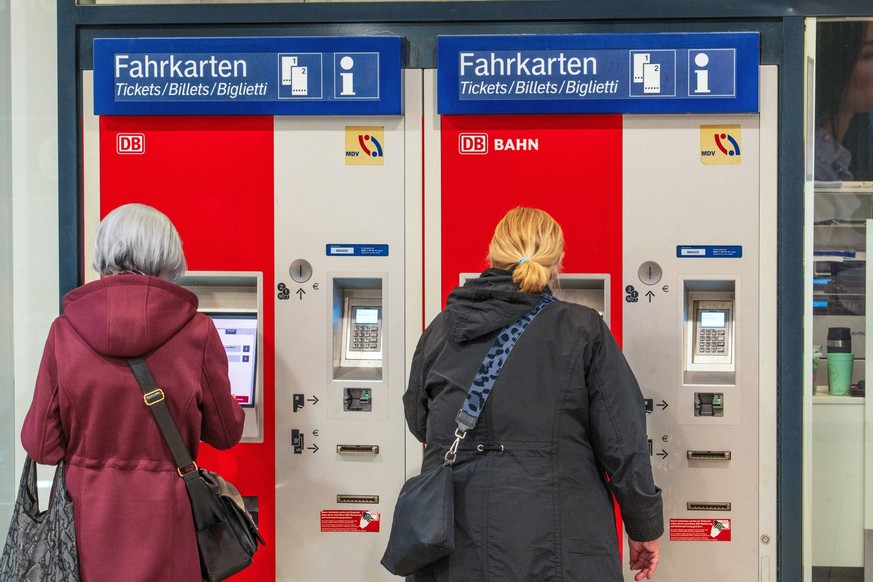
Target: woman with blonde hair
{"type": "Point", "coordinates": [563, 429]}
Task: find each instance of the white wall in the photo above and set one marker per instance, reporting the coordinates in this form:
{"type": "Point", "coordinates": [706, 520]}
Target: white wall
{"type": "Point", "coordinates": [33, 169]}
{"type": "Point", "coordinates": [6, 397]}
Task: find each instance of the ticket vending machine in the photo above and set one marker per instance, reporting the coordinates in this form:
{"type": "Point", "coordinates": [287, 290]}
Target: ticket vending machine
{"type": "Point", "coordinates": [676, 207]}
{"type": "Point", "coordinates": [289, 169]}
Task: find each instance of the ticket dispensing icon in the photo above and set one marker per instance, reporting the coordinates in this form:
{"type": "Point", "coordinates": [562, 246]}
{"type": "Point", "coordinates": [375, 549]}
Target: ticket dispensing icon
{"type": "Point", "coordinates": [640, 60]}
{"type": "Point", "coordinates": [295, 75]}
{"type": "Point", "coordinates": [647, 72]}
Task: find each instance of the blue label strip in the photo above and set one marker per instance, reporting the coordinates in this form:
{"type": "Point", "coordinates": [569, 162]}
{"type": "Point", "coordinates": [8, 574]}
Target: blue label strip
{"type": "Point", "coordinates": [248, 76]}
{"type": "Point", "coordinates": [336, 250]}
{"type": "Point", "coordinates": [599, 73]}
{"type": "Point", "coordinates": [709, 252]}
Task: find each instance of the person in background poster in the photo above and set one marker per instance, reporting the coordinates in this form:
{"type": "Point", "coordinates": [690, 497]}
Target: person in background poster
{"type": "Point", "coordinates": [844, 100]}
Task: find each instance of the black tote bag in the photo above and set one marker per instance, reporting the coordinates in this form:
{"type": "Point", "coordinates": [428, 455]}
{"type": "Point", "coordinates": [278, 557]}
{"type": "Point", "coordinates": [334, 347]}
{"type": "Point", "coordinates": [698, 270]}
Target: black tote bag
{"type": "Point", "coordinates": [41, 545]}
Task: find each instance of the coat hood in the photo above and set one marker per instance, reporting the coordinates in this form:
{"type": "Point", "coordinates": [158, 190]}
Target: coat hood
{"type": "Point", "coordinates": [487, 304]}
{"type": "Point", "coordinates": [128, 315]}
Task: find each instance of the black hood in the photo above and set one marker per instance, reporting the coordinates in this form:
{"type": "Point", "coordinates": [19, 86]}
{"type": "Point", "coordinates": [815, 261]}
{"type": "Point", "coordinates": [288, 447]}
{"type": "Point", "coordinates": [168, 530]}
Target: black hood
{"type": "Point", "coordinates": [487, 304]}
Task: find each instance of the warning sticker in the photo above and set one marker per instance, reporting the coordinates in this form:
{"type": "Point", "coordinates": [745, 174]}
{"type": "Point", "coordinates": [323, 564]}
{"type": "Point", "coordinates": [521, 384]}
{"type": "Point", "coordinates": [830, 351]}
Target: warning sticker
{"type": "Point", "coordinates": [700, 530]}
{"type": "Point", "coordinates": [349, 520]}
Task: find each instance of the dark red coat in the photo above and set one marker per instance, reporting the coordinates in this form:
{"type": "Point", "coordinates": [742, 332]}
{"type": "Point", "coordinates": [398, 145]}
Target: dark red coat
{"type": "Point", "coordinates": [133, 518]}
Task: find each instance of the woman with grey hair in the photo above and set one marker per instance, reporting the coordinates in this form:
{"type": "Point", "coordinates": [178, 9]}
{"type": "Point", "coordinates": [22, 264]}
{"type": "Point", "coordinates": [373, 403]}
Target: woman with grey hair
{"type": "Point", "coordinates": [133, 518]}
{"type": "Point", "coordinates": [136, 238]}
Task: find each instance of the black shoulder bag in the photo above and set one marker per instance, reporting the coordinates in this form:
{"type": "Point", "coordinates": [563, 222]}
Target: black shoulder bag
{"type": "Point", "coordinates": [227, 537]}
{"type": "Point", "coordinates": [423, 530]}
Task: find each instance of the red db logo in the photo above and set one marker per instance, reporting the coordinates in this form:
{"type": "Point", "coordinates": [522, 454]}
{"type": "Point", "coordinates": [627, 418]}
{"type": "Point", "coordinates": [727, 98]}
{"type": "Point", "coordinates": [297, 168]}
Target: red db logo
{"type": "Point", "coordinates": [473, 143]}
{"type": "Point", "coordinates": [130, 143]}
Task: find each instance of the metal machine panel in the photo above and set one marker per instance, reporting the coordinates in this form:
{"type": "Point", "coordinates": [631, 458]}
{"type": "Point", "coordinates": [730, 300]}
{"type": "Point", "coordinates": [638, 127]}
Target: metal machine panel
{"type": "Point", "coordinates": [704, 430]}
{"type": "Point", "coordinates": [341, 349]}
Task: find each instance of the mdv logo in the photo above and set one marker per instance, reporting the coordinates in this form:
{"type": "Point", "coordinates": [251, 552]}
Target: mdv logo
{"type": "Point", "coordinates": [720, 144]}
{"type": "Point", "coordinates": [375, 148]}
{"type": "Point", "coordinates": [735, 147]}
{"type": "Point", "coordinates": [364, 145]}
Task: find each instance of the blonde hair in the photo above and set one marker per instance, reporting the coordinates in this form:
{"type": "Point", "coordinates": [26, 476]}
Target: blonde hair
{"type": "Point", "coordinates": [528, 242]}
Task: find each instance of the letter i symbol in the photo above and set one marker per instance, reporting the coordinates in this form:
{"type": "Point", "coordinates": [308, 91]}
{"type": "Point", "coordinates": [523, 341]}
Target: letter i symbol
{"type": "Point", "coordinates": [348, 79]}
{"type": "Point", "coordinates": [701, 75]}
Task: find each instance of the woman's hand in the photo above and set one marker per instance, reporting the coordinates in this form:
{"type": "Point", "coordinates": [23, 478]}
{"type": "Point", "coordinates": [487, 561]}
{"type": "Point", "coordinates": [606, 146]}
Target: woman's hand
{"type": "Point", "coordinates": [644, 557]}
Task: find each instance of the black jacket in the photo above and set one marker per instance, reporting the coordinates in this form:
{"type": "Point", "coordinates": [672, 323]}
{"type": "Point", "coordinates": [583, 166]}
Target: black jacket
{"type": "Point", "coordinates": [564, 427]}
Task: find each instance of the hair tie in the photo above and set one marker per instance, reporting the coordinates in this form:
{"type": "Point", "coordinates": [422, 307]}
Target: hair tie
{"type": "Point", "coordinates": [523, 259]}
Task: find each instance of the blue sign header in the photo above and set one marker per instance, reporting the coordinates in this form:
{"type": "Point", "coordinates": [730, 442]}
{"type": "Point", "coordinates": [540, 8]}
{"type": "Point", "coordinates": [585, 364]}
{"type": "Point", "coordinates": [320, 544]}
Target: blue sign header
{"type": "Point", "coordinates": [248, 76]}
{"type": "Point", "coordinates": [599, 73]}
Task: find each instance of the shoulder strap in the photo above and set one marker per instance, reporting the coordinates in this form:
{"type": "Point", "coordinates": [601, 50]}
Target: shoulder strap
{"type": "Point", "coordinates": [154, 399]}
{"type": "Point", "coordinates": [480, 389]}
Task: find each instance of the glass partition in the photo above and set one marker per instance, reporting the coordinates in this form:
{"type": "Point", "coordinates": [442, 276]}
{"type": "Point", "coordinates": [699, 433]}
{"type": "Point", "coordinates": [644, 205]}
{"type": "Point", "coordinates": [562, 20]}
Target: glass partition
{"type": "Point", "coordinates": [841, 159]}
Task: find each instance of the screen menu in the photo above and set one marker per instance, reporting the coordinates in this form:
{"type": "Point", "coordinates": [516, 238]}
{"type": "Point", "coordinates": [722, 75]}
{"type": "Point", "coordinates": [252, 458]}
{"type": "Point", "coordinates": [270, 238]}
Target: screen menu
{"type": "Point", "coordinates": [239, 334]}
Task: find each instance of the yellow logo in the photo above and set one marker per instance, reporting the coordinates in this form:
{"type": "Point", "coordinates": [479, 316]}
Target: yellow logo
{"type": "Point", "coordinates": [364, 146]}
{"type": "Point", "coordinates": [720, 145]}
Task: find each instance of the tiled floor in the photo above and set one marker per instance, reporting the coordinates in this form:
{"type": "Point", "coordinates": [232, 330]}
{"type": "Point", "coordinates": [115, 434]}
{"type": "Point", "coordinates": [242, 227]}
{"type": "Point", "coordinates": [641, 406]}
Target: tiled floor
{"type": "Point", "coordinates": [837, 574]}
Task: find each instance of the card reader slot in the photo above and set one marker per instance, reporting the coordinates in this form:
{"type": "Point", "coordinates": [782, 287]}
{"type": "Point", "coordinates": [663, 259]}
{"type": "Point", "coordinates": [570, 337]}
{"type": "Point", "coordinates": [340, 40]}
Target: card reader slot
{"type": "Point", "coordinates": [357, 449]}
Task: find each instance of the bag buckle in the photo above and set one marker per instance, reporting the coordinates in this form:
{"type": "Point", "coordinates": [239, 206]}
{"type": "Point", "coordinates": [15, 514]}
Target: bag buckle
{"type": "Point", "coordinates": [193, 466]}
{"type": "Point", "coordinates": [452, 454]}
{"type": "Point", "coordinates": [153, 397]}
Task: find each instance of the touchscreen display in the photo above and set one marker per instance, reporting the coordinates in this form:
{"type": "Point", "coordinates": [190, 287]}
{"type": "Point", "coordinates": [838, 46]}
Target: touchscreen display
{"type": "Point", "coordinates": [239, 334]}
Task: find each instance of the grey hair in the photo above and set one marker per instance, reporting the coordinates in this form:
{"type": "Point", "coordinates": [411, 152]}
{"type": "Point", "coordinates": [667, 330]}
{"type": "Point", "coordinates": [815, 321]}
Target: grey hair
{"type": "Point", "coordinates": [137, 238]}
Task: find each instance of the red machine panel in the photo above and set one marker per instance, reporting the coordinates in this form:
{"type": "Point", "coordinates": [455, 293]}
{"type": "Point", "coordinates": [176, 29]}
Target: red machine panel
{"type": "Point", "coordinates": [213, 177]}
{"type": "Point", "coordinates": [568, 165]}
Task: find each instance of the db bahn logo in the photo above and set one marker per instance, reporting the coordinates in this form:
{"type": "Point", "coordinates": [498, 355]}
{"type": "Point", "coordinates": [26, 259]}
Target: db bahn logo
{"type": "Point", "coordinates": [130, 143]}
{"type": "Point", "coordinates": [473, 143]}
